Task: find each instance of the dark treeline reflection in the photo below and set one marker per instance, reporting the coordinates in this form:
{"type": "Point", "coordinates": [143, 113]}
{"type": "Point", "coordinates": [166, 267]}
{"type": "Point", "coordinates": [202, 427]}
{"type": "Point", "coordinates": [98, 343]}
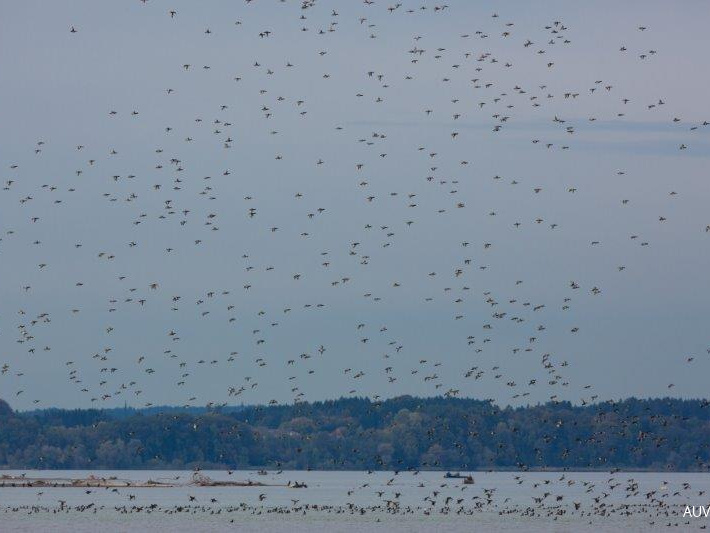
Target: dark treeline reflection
{"type": "Point", "coordinates": [396, 434]}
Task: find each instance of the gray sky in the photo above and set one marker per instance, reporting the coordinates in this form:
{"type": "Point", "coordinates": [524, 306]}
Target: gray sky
{"type": "Point", "coordinates": [276, 122]}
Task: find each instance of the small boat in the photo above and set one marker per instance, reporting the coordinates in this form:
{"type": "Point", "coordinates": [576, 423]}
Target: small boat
{"type": "Point", "coordinates": [262, 472]}
{"type": "Point", "coordinates": [457, 475]}
{"type": "Point", "coordinates": [467, 479]}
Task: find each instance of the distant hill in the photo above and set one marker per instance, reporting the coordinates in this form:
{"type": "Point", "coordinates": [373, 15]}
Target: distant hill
{"type": "Point", "coordinates": [357, 433]}
{"type": "Point", "coordinates": [71, 416]}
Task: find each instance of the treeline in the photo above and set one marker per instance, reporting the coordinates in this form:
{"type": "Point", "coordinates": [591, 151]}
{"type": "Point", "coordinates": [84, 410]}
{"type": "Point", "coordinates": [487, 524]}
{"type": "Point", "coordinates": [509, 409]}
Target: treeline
{"type": "Point", "coordinates": [396, 434]}
{"type": "Point", "coordinates": [58, 415]}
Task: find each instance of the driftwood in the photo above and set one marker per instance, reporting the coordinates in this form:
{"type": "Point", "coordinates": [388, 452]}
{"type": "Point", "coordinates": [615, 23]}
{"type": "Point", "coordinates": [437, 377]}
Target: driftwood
{"type": "Point", "coordinates": [201, 480]}
{"type": "Point", "coordinates": [198, 480]}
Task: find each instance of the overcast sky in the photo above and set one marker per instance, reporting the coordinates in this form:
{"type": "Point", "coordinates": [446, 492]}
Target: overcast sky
{"type": "Point", "coordinates": [255, 120]}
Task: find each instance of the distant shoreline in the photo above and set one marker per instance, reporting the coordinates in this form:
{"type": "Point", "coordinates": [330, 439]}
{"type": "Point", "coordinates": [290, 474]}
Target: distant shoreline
{"type": "Point", "coordinates": [356, 434]}
{"type": "Point", "coordinates": [213, 468]}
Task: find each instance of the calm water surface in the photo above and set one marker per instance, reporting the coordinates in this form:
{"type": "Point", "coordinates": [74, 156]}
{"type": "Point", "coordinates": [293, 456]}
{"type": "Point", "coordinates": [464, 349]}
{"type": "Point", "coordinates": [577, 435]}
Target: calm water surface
{"type": "Point", "coordinates": [361, 501]}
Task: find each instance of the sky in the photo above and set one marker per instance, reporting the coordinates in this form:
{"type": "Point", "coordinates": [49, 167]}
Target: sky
{"type": "Point", "coordinates": [383, 255]}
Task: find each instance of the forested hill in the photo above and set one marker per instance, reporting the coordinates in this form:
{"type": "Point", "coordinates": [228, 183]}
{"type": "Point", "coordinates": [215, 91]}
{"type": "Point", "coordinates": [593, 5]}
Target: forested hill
{"type": "Point", "coordinates": [396, 434]}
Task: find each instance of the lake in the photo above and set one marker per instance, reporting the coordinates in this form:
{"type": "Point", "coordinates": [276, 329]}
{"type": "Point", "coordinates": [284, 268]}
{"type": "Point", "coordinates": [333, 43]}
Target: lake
{"type": "Point", "coordinates": [361, 501]}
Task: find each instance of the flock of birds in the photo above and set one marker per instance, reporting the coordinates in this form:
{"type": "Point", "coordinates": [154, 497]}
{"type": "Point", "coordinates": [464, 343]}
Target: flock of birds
{"type": "Point", "coordinates": [285, 213]}
{"type": "Point", "coordinates": [546, 498]}
{"type": "Point", "coordinates": [161, 222]}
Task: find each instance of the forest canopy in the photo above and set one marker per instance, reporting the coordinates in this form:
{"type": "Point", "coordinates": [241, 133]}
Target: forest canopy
{"type": "Point", "coordinates": [395, 434]}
